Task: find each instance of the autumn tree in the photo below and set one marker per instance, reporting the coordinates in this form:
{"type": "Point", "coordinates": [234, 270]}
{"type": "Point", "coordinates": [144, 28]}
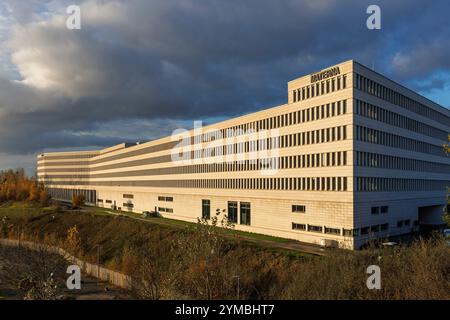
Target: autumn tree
{"type": "Point", "coordinates": [73, 239]}
{"type": "Point", "coordinates": [78, 200]}
{"type": "Point", "coordinates": [15, 185]}
{"type": "Point", "coordinates": [34, 195]}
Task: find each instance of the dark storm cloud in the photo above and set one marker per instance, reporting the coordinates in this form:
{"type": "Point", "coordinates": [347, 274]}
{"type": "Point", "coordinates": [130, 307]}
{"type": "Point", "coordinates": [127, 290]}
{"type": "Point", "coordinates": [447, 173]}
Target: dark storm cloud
{"type": "Point", "coordinates": [156, 60]}
{"type": "Point", "coordinates": [433, 84]}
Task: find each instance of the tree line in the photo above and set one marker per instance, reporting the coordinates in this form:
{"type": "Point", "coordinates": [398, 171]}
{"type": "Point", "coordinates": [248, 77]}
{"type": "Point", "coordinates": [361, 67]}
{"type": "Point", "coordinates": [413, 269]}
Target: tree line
{"type": "Point", "coordinates": [15, 185]}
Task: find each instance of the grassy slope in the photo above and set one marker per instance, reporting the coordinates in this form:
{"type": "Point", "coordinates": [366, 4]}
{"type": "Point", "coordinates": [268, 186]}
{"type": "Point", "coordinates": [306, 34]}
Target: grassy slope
{"type": "Point", "coordinates": [183, 224]}
{"type": "Point", "coordinates": [113, 233]}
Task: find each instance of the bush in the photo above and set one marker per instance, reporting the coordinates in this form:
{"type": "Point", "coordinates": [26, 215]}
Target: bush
{"type": "Point", "coordinates": [78, 200]}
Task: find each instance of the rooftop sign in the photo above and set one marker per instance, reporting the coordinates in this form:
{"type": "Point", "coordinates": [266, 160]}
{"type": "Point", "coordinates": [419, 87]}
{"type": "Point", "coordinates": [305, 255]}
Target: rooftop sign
{"type": "Point", "coordinates": [328, 73]}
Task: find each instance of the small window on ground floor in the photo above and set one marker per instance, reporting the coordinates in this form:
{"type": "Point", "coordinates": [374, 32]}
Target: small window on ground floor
{"type": "Point", "coordinates": [233, 211]}
{"type": "Point", "coordinates": [298, 208]}
{"type": "Point", "coordinates": [314, 228]}
{"type": "Point", "coordinates": [298, 226]}
{"type": "Point", "coordinates": [350, 232]}
{"type": "Point", "coordinates": [245, 213]}
{"type": "Point", "coordinates": [334, 231]}
{"type": "Point", "coordinates": [206, 209]}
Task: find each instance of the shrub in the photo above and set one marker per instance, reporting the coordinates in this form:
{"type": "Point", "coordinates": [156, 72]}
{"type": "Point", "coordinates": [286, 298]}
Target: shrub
{"type": "Point", "coordinates": [78, 200]}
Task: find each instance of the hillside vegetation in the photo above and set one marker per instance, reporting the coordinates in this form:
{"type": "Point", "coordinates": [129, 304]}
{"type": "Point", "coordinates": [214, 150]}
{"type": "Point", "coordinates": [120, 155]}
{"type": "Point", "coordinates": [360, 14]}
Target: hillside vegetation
{"type": "Point", "coordinates": [197, 262]}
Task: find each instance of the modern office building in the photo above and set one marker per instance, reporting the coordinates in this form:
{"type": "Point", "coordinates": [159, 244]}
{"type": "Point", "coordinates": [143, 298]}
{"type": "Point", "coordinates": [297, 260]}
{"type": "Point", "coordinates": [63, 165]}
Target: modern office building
{"type": "Point", "coordinates": [351, 156]}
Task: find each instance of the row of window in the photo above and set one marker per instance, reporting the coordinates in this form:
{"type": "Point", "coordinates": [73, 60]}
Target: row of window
{"type": "Point", "coordinates": [288, 119]}
{"type": "Point", "coordinates": [375, 160]}
{"type": "Point", "coordinates": [369, 86]}
{"type": "Point", "coordinates": [337, 231]}
{"type": "Point", "coordinates": [297, 139]}
{"type": "Point", "coordinates": [328, 159]}
{"type": "Point", "coordinates": [395, 141]}
{"type": "Point", "coordinates": [302, 184]}
{"type": "Point", "coordinates": [374, 184]}
{"type": "Point", "coordinates": [320, 88]}
{"type": "Point", "coordinates": [163, 198]}
{"type": "Point", "coordinates": [317, 229]}
{"type": "Point", "coordinates": [376, 113]}
{"type": "Point", "coordinates": [245, 212]}
{"type": "Point", "coordinates": [44, 157]}
{"type": "Point", "coordinates": [378, 210]}
{"type": "Point", "coordinates": [128, 196]}
{"type": "Point", "coordinates": [167, 210]}
{"type": "Point", "coordinates": [374, 228]}
{"type": "Point", "coordinates": [290, 140]}
{"type": "Point", "coordinates": [292, 118]}
{"type": "Point", "coordinates": [306, 115]}
{"type": "Point", "coordinates": [78, 171]}
{"type": "Point", "coordinates": [67, 194]}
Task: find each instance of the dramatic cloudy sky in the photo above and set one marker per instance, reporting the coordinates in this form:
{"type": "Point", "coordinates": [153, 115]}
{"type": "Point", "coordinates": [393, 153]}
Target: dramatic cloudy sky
{"type": "Point", "coordinates": [138, 69]}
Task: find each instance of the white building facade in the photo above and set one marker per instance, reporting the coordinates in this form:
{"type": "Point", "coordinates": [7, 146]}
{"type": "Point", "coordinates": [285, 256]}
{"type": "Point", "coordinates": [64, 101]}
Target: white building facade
{"type": "Point", "coordinates": [350, 157]}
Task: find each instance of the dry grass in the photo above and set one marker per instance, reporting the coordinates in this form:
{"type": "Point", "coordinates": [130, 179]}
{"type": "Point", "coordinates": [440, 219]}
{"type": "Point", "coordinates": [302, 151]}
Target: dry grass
{"type": "Point", "coordinates": [172, 263]}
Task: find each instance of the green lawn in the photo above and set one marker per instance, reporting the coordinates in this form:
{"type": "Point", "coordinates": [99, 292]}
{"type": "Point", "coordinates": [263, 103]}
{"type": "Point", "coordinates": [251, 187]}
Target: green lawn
{"type": "Point", "coordinates": [180, 223]}
{"type": "Point", "coordinates": [21, 210]}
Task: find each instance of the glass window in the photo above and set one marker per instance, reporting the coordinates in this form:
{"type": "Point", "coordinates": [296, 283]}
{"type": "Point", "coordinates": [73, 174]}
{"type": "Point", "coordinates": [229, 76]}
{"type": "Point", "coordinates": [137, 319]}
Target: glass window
{"type": "Point", "coordinates": [245, 213]}
{"type": "Point", "coordinates": [206, 209]}
{"type": "Point", "coordinates": [233, 211]}
{"type": "Point", "coordinates": [298, 226]}
{"type": "Point", "coordinates": [298, 208]}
